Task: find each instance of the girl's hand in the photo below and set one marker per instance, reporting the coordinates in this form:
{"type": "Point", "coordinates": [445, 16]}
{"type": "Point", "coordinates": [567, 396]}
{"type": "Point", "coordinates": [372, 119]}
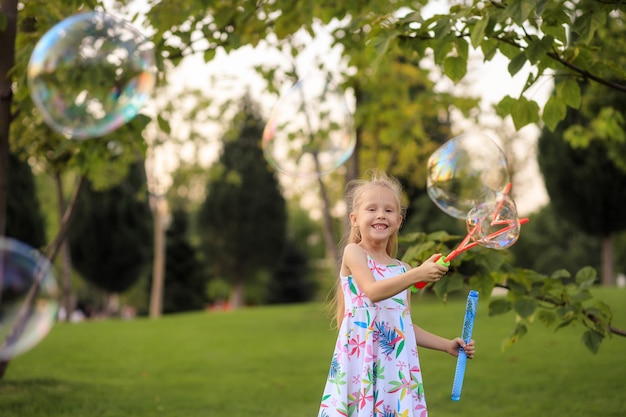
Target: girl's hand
{"type": "Point", "coordinates": [431, 271]}
{"type": "Point", "coordinates": [457, 343]}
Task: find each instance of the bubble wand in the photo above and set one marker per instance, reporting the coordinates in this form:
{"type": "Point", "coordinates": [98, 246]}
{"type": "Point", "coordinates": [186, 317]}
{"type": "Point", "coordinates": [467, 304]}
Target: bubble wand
{"type": "Point", "coordinates": [468, 326]}
{"type": "Point", "coordinates": [470, 240]}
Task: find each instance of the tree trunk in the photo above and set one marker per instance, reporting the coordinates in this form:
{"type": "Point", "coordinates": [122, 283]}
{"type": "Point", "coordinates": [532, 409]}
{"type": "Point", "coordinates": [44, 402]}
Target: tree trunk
{"type": "Point", "coordinates": [156, 295]}
{"type": "Point", "coordinates": [236, 295]}
{"type": "Point", "coordinates": [607, 261]}
{"type": "Point", "coordinates": [7, 60]}
{"type": "Point", "coordinates": [66, 261]}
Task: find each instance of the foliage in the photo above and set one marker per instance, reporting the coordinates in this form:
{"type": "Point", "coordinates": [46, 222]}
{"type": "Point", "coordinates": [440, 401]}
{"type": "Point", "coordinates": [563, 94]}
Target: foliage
{"type": "Point", "coordinates": [243, 218]}
{"type": "Point", "coordinates": [292, 281]}
{"type": "Point", "coordinates": [104, 161]}
{"type": "Point", "coordinates": [184, 281]}
{"type": "Point", "coordinates": [111, 234]}
{"type": "Point", "coordinates": [24, 218]}
{"type": "Point", "coordinates": [557, 300]}
{"type": "Point", "coordinates": [549, 242]}
{"type": "Point", "coordinates": [568, 41]}
{"type": "Point", "coordinates": [585, 186]}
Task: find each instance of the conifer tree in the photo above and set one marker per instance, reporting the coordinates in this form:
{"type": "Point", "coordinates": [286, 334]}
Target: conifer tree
{"type": "Point", "coordinates": [243, 219]}
{"type": "Point", "coordinates": [111, 233]}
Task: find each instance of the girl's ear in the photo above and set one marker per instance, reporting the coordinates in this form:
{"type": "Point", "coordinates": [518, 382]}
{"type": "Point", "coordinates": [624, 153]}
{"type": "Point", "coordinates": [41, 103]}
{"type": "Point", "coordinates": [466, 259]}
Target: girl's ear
{"type": "Point", "coordinates": [353, 219]}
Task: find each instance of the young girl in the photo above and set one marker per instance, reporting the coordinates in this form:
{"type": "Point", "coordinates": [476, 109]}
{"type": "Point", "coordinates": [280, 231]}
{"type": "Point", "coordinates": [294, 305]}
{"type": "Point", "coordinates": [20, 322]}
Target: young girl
{"type": "Point", "coordinates": [375, 369]}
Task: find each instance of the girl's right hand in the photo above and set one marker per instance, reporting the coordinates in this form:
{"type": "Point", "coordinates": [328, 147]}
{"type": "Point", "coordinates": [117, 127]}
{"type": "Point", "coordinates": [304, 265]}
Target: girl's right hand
{"type": "Point", "coordinates": [431, 271]}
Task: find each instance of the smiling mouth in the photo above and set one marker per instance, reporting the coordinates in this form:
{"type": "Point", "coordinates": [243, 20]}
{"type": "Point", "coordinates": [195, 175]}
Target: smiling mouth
{"type": "Point", "coordinates": [379, 226]}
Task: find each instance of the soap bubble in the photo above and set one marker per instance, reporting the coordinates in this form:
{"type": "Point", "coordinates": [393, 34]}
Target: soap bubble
{"type": "Point", "coordinates": [466, 171]}
{"type": "Point", "coordinates": [310, 132]}
{"type": "Point", "coordinates": [28, 298]}
{"type": "Point", "coordinates": [90, 74]}
{"type": "Point", "coordinates": [495, 224]}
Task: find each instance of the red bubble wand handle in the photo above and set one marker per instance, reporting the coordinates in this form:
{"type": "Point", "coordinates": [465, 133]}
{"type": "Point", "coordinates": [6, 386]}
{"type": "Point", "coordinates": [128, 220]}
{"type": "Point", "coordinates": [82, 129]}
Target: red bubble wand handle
{"type": "Point", "coordinates": [466, 243]}
{"type": "Point", "coordinates": [469, 242]}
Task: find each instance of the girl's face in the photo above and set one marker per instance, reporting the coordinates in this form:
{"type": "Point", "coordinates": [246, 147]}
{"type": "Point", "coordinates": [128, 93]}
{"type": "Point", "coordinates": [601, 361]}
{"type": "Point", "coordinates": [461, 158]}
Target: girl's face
{"type": "Point", "coordinates": [377, 215]}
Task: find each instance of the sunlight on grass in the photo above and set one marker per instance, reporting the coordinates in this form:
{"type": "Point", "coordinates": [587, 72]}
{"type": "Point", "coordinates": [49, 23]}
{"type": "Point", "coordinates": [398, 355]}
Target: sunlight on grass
{"type": "Point", "coordinates": [272, 361]}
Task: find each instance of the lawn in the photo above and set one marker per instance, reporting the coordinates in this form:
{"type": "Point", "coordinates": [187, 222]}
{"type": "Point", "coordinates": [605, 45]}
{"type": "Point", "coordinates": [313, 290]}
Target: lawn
{"type": "Point", "coordinates": [272, 361]}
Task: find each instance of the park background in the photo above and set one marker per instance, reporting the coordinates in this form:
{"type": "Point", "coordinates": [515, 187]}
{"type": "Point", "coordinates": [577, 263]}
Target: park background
{"type": "Point", "coordinates": [405, 109]}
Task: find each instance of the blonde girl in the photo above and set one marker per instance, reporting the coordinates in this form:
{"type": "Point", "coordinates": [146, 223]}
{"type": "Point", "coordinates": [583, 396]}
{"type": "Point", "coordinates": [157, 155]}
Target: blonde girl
{"type": "Point", "coordinates": [375, 369]}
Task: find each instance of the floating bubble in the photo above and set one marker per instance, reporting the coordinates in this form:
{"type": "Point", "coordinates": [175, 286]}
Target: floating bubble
{"type": "Point", "coordinates": [28, 298]}
{"type": "Point", "coordinates": [90, 74]}
{"type": "Point", "coordinates": [310, 131]}
{"type": "Point", "coordinates": [496, 224]}
{"type": "Point", "coordinates": [467, 170]}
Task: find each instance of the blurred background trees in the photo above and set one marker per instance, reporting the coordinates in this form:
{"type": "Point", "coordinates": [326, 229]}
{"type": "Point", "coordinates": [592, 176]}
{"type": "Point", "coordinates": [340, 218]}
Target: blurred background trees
{"type": "Point", "coordinates": [406, 63]}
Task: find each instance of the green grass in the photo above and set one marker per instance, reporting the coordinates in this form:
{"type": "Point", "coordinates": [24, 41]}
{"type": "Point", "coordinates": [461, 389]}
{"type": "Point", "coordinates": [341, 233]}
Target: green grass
{"type": "Point", "coordinates": [272, 361]}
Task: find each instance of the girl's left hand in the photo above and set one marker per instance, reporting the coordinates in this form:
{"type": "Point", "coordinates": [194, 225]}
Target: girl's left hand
{"type": "Point", "coordinates": [458, 343]}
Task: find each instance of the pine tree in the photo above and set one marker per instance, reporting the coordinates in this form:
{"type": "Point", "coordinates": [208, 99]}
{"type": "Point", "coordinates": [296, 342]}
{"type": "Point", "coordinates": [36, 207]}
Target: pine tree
{"type": "Point", "coordinates": [24, 220]}
{"type": "Point", "coordinates": [184, 279]}
{"type": "Point", "coordinates": [585, 185]}
{"type": "Point", "coordinates": [111, 235]}
{"type": "Point", "coordinates": [243, 219]}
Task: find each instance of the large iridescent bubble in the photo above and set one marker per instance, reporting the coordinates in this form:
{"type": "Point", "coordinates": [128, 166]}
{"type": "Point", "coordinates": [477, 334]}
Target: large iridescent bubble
{"type": "Point", "coordinates": [90, 74]}
{"type": "Point", "coordinates": [28, 298]}
{"type": "Point", "coordinates": [494, 224]}
{"type": "Point", "coordinates": [310, 132]}
{"type": "Point", "coordinates": [467, 170]}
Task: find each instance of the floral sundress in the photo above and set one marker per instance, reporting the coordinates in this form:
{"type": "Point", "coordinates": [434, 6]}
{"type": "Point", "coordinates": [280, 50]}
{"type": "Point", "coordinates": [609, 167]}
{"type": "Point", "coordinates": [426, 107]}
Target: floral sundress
{"type": "Point", "coordinates": [375, 369]}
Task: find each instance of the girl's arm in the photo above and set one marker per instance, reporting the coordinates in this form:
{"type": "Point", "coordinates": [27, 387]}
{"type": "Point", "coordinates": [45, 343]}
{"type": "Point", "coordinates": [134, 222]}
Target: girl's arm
{"type": "Point", "coordinates": [355, 264]}
{"type": "Point", "coordinates": [451, 346]}
{"type": "Point", "coordinates": [432, 341]}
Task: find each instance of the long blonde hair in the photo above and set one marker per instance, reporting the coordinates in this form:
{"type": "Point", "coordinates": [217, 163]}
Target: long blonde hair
{"type": "Point", "coordinates": [353, 197]}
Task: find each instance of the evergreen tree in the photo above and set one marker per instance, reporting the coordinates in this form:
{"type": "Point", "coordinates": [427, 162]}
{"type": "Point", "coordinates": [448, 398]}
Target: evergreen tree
{"type": "Point", "coordinates": [585, 186]}
{"type": "Point", "coordinates": [292, 282]}
{"type": "Point", "coordinates": [243, 219]}
{"type": "Point", "coordinates": [549, 242]}
{"type": "Point", "coordinates": [24, 220]}
{"type": "Point", "coordinates": [111, 233]}
{"type": "Point", "coordinates": [184, 281]}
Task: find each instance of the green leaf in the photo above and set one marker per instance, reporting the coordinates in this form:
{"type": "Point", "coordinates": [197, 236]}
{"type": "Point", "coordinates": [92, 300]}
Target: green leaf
{"type": "Point", "coordinates": [586, 277]}
{"type": "Point", "coordinates": [519, 331]}
{"type": "Point", "coordinates": [526, 112]}
{"type": "Point", "coordinates": [592, 340]}
{"type": "Point", "coordinates": [455, 68]}
{"type": "Point", "coordinates": [525, 307]}
{"type": "Point", "coordinates": [587, 24]}
{"type": "Point", "coordinates": [569, 92]}
{"type": "Point", "coordinates": [538, 48]}
{"type": "Point", "coordinates": [519, 10]}
{"type": "Point", "coordinates": [553, 112]}
{"type": "Point", "coordinates": [478, 32]}
{"type": "Point", "coordinates": [517, 63]}
{"type": "Point", "coordinates": [547, 317]}
{"type": "Point", "coordinates": [581, 296]}
{"type": "Point", "coordinates": [499, 306]}
{"type": "Point", "coordinates": [505, 106]}
{"type": "Point", "coordinates": [448, 284]}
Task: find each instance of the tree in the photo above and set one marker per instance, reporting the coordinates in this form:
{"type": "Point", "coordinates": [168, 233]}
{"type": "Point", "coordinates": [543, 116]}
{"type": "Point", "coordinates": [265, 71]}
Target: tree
{"type": "Point", "coordinates": [584, 184]}
{"type": "Point", "coordinates": [184, 279]}
{"type": "Point", "coordinates": [292, 281]}
{"type": "Point", "coordinates": [550, 242]}
{"type": "Point", "coordinates": [243, 219]}
{"type": "Point", "coordinates": [24, 219]}
{"type": "Point", "coordinates": [111, 235]}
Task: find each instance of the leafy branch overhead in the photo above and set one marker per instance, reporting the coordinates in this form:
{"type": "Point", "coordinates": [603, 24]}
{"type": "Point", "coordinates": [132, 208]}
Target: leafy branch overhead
{"type": "Point", "coordinates": [553, 38]}
{"type": "Point", "coordinates": [556, 301]}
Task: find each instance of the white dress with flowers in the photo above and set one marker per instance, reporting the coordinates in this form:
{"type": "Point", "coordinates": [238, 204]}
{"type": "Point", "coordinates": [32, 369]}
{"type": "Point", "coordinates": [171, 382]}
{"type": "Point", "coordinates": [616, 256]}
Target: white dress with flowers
{"type": "Point", "coordinates": [375, 369]}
